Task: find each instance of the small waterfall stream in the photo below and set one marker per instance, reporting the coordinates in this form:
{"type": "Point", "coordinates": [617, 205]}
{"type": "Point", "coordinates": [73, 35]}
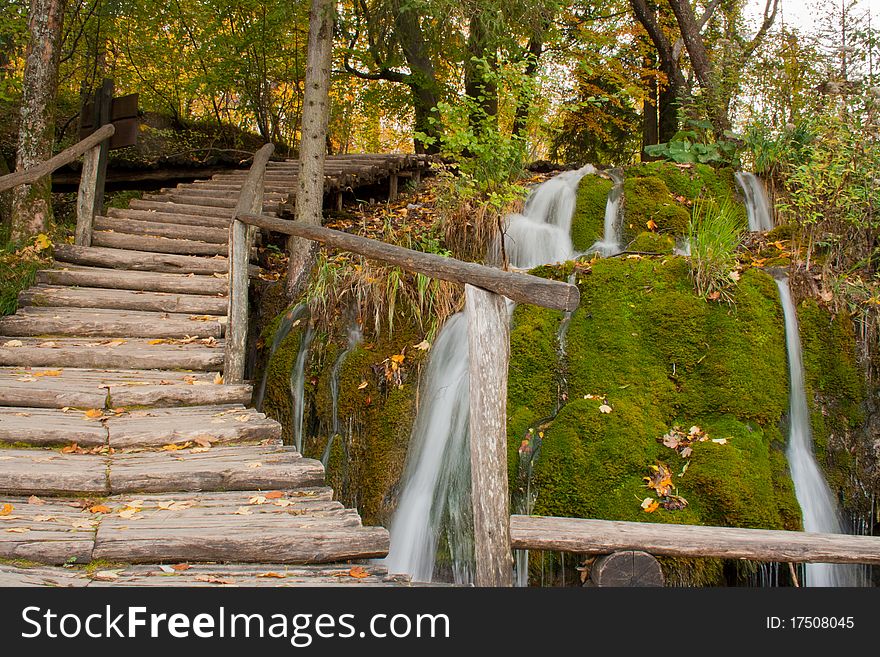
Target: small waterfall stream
{"type": "Point", "coordinates": [818, 506]}
{"type": "Point", "coordinates": [610, 244]}
{"type": "Point", "coordinates": [288, 321]}
{"type": "Point", "coordinates": [354, 339]}
{"type": "Point", "coordinates": [757, 204]}
{"type": "Point", "coordinates": [297, 385]}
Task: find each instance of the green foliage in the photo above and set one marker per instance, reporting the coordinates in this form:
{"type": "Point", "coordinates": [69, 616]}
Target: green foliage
{"type": "Point", "coordinates": [695, 146]}
{"type": "Point", "coordinates": [714, 233]}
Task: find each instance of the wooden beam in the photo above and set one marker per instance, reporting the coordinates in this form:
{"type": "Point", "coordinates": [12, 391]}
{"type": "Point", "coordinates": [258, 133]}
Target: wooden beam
{"type": "Point", "coordinates": [587, 536]}
{"type": "Point", "coordinates": [85, 200]}
{"type": "Point", "coordinates": [392, 187]}
{"type": "Point", "coordinates": [250, 200]}
{"type": "Point", "coordinates": [66, 156]}
{"type": "Point", "coordinates": [522, 288]}
{"type": "Point", "coordinates": [489, 349]}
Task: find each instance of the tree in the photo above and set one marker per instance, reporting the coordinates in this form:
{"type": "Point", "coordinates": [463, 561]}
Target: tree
{"type": "Point", "coordinates": [32, 204]}
{"type": "Point", "coordinates": [316, 112]}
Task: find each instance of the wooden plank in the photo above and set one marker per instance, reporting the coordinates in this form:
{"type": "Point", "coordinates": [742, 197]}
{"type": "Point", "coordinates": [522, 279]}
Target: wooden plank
{"type": "Point", "coordinates": [54, 532]}
{"type": "Point", "coordinates": [139, 260]}
{"type": "Point", "coordinates": [34, 321]}
{"type": "Point", "coordinates": [522, 288]}
{"type": "Point", "coordinates": [156, 244]}
{"type": "Point", "coordinates": [64, 157]}
{"type": "Point", "coordinates": [75, 297]}
{"type": "Point", "coordinates": [121, 279]}
{"type": "Point", "coordinates": [239, 249]}
{"type": "Point", "coordinates": [96, 353]}
{"type": "Point", "coordinates": [586, 536]}
{"type": "Point", "coordinates": [183, 394]}
{"type": "Point", "coordinates": [170, 218]}
{"type": "Point", "coordinates": [55, 577]}
{"type": "Point", "coordinates": [159, 229]}
{"type": "Point", "coordinates": [41, 426]}
{"type": "Point", "coordinates": [47, 388]}
{"type": "Point", "coordinates": [217, 424]}
{"type": "Point", "coordinates": [85, 201]}
{"type": "Point", "coordinates": [48, 472]}
{"type": "Point", "coordinates": [489, 353]}
{"type": "Point", "coordinates": [219, 469]}
{"type": "Point", "coordinates": [167, 205]}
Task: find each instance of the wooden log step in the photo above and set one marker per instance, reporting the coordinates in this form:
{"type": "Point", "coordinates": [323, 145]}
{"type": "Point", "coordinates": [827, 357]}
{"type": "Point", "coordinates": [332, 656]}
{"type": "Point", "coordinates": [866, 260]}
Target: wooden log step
{"type": "Point", "coordinates": [223, 192]}
{"type": "Point", "coordinates": [157, 244]}
{"type": "Point", "coordinates": [123, 279]}
{"type": "Point", "coordinates": [267, 468]}
{"type": "Point", "coordinates": [33, 321]}
{"type": "Point", "coordinates": [53, 576]}
{"type": "Point", "coordinates": [159, 229]}
{"type": "Point", "coordinates": [162, 204]}
{"type": "Point", "coordinates": [208, 202]}
{"type": "Point", "coordinates": [119, 352]}
{"type": "Point", "coordinates": [47, 532]}
{"type": "Point", "coordinates": [42, 426]}
{"type": "Point", "coordinates": [96, 297]}
{"type": "Point", "coordinates": [234, 530]}
{"type": "Point", "coordinates": [157, 428]}
{"type": "Point", "coordinates": [141, 261]}
{"type": "Point", "coordinates": [89, 388]}
{"type": "Point", "coordinates": [169, 218]}
{"type": "Point", "coordinates": [48, 472]}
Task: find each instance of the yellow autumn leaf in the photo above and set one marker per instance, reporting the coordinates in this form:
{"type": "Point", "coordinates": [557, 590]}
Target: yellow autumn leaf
{"type": "Point", "coordinates": [649, 505]}
{"type": "Point", "coordinates": [99, 508]}
{"type": "Point", "coordinates": [172, 447]}
{"type": "Point", "coordinates": [652, 225]}
{"type": "Point", "coordinates": [276, 575]}
{"type": "Point", "coordinates": [358, 572]}
{"type": "Point", "coordinates": [48, 373]}
{"type": "Point", "coordinates": [6, 509]}
{"type": "Point", "coordinates": [94, 413]}
{"type": "Point", "coordinates": [42, 242]}
{"type": "Point", "coordinates": [398, 358]}
{"type": "Point", "coordinates": [363, 385]}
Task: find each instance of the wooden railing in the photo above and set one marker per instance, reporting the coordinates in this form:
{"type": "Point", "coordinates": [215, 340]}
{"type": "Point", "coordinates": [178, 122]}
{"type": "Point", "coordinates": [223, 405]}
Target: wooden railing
{"type": "Point", "coordinates": [86, 203]}
{"type": "Point", "coordinates": [488, 339]}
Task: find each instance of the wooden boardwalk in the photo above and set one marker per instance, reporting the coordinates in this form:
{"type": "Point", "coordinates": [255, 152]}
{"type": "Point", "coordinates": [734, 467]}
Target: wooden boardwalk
{"type": "Point", "coordinates": [121, 443]}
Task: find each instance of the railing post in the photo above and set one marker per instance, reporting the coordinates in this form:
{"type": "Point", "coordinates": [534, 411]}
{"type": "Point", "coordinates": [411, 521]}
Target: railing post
{"type": "Point", "coordinates": [250, 201]}
{"type": "Point", "coordinates": [489, 345]}
{"type": "Point", "coordinates": [85, 202]}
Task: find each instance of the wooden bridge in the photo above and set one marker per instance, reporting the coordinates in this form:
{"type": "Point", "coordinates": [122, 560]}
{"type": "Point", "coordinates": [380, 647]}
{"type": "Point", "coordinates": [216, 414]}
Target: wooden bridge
{"type": "Point", "coordinates": [121, 441]}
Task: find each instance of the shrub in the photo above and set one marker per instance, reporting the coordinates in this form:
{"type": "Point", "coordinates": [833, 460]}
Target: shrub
{"type": "Point", "coordinates": [715, 233]}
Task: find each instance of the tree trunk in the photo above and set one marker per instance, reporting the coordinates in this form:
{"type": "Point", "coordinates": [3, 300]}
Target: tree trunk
{"type": "Point", "coordinates": [312, 148]}
{"type": "Point", "coordinates": [669, 101]}
{"type": "Point", "coordinates": [650, 107]}
{"type": "Point", "coordinates": [479, 83]}
{"type": "Point", "coordinates": [32, 204]}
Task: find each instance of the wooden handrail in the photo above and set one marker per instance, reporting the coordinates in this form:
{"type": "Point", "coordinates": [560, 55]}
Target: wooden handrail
{"type": "Point", "coordinates": [250, 200]}
{"type": "Point", "coordinates": [588, 536]}
{"type": "Point", "coordinates": [68, 155]}
{"type": "Point", "coordinates": [522, 288]}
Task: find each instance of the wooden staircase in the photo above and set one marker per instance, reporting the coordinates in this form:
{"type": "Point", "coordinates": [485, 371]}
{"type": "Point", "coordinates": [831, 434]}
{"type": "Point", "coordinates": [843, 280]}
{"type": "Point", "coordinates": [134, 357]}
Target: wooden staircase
{"type": "Point", "coordinates": [121, 442]}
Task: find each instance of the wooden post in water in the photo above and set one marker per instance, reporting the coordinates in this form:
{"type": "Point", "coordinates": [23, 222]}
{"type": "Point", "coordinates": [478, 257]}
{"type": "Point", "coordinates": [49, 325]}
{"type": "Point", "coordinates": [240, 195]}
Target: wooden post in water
{"type": "Point", "coordinates": [250, 200]}
{"type": "Point", "coordinates": [489, 345]}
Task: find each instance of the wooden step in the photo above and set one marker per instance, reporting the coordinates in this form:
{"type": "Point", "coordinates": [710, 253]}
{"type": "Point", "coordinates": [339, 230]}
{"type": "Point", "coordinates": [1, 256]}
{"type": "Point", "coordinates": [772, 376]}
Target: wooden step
{"type": "Point", "coordinates": [169, 218]}
{"type": "Point", "coordinates": [96, 297]}
{"type": "Point", "coordinates": [123, 279]}
{"type": "Point", "coordinates": [161, 204]}
{"type": "Point", "coordinates": [51, 532]}
{"type": "Point", "coordinates": [139, 260]}
{"type": "Point", "coordinates": [160, 229]}
{"type": "Point", "coordinates": [89, 388]}
{"type": "Point", "coordinates": [43, 426]}
{"type": "Point", "coordinates": [157, 244]}
{"type": "Point", "coordinates": [226, 424]}
{"type": "Point", "coordinates": [33, 321]}
{"type": "Point", "coordinates": [121, 353]}
{"type": "Point", "coordinates": [46, 472]}
{"type": "Point", "coordinates": [224, 193]}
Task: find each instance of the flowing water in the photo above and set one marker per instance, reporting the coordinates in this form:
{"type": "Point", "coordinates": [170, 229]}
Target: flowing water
{"type": "Point", "coordinates": [297, 386]}
{"type": "Point", "coordinates": [610, 244]}
{"type": "Point", "coordinates": [436, 483]}
{"type": "Point", "coordinates": [289, 320]}
{"type": "Point", "coordinates": [817, 504]}
{"type": "Point", "coordinates": [757, 204]}
{"type": "Point", "coordinates": [354, 338]}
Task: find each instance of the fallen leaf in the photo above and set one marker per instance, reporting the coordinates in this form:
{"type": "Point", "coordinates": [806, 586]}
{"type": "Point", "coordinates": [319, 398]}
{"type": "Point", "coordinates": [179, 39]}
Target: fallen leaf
{"type": "Point", "coordinates": [18, 530]}
{"type": "Point", "coordinates": [106, 575]}
{"type": "Point", "coordinates": [48, 373]}
{"type": "Point", "coordinates": [650, 505]}
{"type": "Point", "coordinates": [274, 495]}
{"type": "Point", "coordinates": [42, 242]}
{"type": "Point", "coordinates": [212, 580]}
{"type": "Point", "coordinates": [174, 447]}
{"type": "Point", "coordinates": [720, 441]}
{"type": "Point", "coordinates": [253, 466]}
{"type": "Point", "coordinates": [82, 524]}
{"type": "Point", "coordinates": [113, 343]}
{"type": "Point", "coordinates": [128, 513]}
{"type": "Point", "coordinates": [218, 379]}
{"type": "Point", "coordinates": [41, 518]}
{"type": "Point", "coordinates": [363, 385]}
{"type": "Point", "coordinates": [33, 499]}
{"type": "Point", "coordinates": [181, 567]}
{"type": "Point", "coordinates": [47, 345]}
{"type": "Point", "coordinates": [605, 408]}
{"type": "Point", "coordinates": [204, 441]}
{"type": "Point", "coordinates": [424, 345]}
{"type": "Point", "coordinates": [6, 509]}
{"type": "Point", "coordinates": [276, 575]}
{"type": "Point", "coordinates": [651, 224]}
{"type": "Point", "coordinates": [714, 296]}
{"type": "Point", "coordinates": [358, 572]}
{"type": "Point", "coordinates": [13, 343]}
{"type": "Point", "coordinates": [99, 508]}
{"type": "Point", "coordinates": [94, 413]}
{"type": "Point", "coordinates": [257, 499]}
{"type": "Point", "coordinates": [166, 569]}
{"type": "Point", "coordinates": [243, 511]}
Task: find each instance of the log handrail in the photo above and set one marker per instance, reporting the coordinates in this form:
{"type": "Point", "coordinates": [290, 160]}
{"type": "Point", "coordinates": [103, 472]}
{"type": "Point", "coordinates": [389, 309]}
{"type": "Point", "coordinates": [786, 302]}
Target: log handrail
{"type": "Point", "coordinates": [250, 200]}
{"type": "Point", "coordinates": [590, 536]}
{"type": "Point", "coordinates": [522, 288]}
{"type": "Point", "coordinates": [68, 155]}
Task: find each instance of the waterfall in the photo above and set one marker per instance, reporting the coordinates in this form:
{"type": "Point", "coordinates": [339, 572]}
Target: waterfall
{"type": "Point", "coordinates": [354, 338]}
{"type": "Point", "coordinates": [757, 204]}
{"type": "Point", "coordinates": [436, 484]}
{"type": "Point", "coordinates": [610, 245]}
{"type": "Point", "coordinates": [297, 385]}
{"type": "Point", "coordinates": [816, 501]}
{"type": "Point", "coordinates": [290, 319]}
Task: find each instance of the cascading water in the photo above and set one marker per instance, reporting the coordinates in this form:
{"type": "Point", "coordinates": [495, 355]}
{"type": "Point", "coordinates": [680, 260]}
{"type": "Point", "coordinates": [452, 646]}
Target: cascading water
{"type": "Point", "coordinates": [436, 482]}
{"type": "Point", "coordinates": [817, 503]}
{"type": "Point", "coordinates": [288, 321]}
{"type": "Point", "coordinates": [610, 245]}
{"type": "Point", "coordinates": [757, 204]}
{"type": "Point", "coordinates": [354, 338]}
{"type": "Point", "coordinates": [297, 385]}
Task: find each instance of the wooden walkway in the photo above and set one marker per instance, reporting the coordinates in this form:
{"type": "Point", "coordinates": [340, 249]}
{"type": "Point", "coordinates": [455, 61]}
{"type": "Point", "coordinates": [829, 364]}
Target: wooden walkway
{"type": "Point", "coordinates": [121, 443]}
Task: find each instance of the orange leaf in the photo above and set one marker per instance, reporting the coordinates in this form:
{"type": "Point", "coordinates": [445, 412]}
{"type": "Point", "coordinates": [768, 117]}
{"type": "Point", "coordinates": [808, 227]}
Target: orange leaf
{"type": "Point", "coordinates": [93, 413]}
{"type": "Point", "coordinates": [99, 508]}
{"type": "Point", "coordinates": [274, 495]}
{"type": "Point", "coordinates": [358, 572]}
{"type": "Point", "coordinates": [70, 449]}
{"type": "Point", "coordinates": [181, 566]}
{"type": "Point", "coordinates": [278, 575]}
{"type": "Point", "coordinates": [6, 509]}
{"type": "Point", "coordinates": [652, 225]}
{"type": "Point", "coordinates": [47, 373]}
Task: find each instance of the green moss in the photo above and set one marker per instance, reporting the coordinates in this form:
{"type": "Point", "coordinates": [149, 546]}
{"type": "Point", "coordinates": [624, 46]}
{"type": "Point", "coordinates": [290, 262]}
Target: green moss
{"type": "Point", "coordinates": [647, 242]}
{"type": "Point", "coordinates": [588, 222]}
{"type": "Point", "coordinates": [649, 200]}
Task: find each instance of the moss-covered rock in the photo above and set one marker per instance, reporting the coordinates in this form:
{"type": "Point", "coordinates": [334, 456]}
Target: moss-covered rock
{"type": "Point", "coordinates": [647, 200]}
{"type": "Point", "coordinates": [588, 222]}
{"type": "Point", "coordinates": [647, 242]}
